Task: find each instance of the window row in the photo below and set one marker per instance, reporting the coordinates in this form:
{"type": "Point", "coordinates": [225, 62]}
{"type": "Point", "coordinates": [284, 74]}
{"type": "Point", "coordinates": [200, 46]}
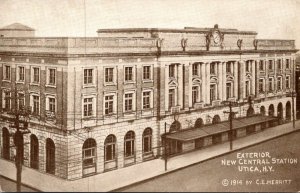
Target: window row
{"type": "Point", "coordinates": [271, 82]}
{"type": "Point", "coordinates": [271, 64]}
{"type": "Point", "coordinates": [111, 100]}
{"type": "Point", "coordinates": [89, 149]}
{"type": "Point", "coordinates": [35, 103]}
{"type": "Point", "coordinates": [110, 74]}
{"type": "Point", "coordinates": [35, 77]}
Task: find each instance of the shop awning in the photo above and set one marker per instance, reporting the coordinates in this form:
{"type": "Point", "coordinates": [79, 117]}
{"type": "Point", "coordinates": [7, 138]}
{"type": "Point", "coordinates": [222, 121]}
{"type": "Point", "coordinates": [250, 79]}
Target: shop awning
{"type": "Point", "coordinates": [207, 130]}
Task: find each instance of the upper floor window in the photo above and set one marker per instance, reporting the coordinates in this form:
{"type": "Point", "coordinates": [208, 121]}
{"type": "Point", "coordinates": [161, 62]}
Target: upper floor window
{"type": "Point", "coordinates": [21, 74]}
{"type": "Point", "coordinates": [128, 102]}
{"type": "Point", "coordinates": [36, 75]}
{"type": "Point", "coordinates": [279, 64]}
{"type": "Point", "coordinates": [195, 94]}
{"type": "Point", "coordinates": [172, 71]}
{"type": "Point", "coordinates": [261, 65]}
{"type": "Point", "coordinates": [261, 85]}
{"type": "Point", "coordinates": [171, 98]}
{"type": "Point", "coordinates": [270, 64]}
{"type": "Point", "coordinates": [147, 72]}
{"type": "Point", "coordinates": [228, 67]}
{"type": "Point", "coordinates": [109, 104]}
{"type": "Point", "coordinates": [7, 72]}
{"type": "Point", "coordinates": [51, 76]}
{"type": "Point", "coordinates": [6, 100]}
{"type": "Point", "coordinates": [109, 74]}
{"type": "Point", "coordinates": [88, 107]}
{"type": "Point", "coordinates": [88, 76]}
{"type": "Point", "coordinates": [287, 82]}
{"type": "Point", "coordinates": [287, 63]}
{"type": "Point", "coordinates": [51, 104]}
{"type": "Point", "coordinates": [146, 100]}
{"type": "Point", "coordinates": [128, 73]}
{"type": "Point", "coordinates": [270, 84]}
{"type": "Point", "coordinates": [213, 68]}
{"type": "Point", "coordinates": [247, 87]}
{"type": "Point", "coordinates": [228, 90]}
{"type": "Point", "coordinates": [279, 83]}
{"type": "Point", "coordinates": [36, 104]}
{"type": "Point", "coordinates": [213, 93]}
{"type": "Point", "coordinates": [21, 100]}
{"type": "Point", "coordinates": [196, 69]}
{"type": "Point", "coordinates": [248, 66]}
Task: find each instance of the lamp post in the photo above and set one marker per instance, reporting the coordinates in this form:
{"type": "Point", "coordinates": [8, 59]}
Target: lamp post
{"type": "Point", "coordinates": [293, 94]}
{"type": "Point", "coordinates": [231, 114]}
{"type": "Point", "coordinates": [19, 112]}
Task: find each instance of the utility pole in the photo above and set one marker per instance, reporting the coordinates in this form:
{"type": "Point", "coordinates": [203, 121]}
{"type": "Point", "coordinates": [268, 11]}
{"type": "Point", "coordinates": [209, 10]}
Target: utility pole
{"type": "Point", "coordinates": [20, 131]}
{"type": "Point", "coordinates": [165, 147]}
{"type": "Point", "coordinates": [231, 115]}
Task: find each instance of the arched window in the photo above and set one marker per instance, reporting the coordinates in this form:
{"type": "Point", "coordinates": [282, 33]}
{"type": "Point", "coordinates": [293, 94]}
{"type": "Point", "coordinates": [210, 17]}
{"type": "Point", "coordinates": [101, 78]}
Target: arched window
{"type": "Point", "coordinates": [175, 126]}
{"type": "Point", "coordinates": [198, 123]}
{"type": "Point", "coordinates": [5, 144]}
{"type": "Point", "coordinates": [262, 110]}
{"type": "Point", "coordinates": [280, 111]}
{"type": "Point", "coordinates": [50, 156]}
{"type": "Point", "coordinates": [147, 140]}
{"type": "Point", "coordinates": [216, 119]}
{"type": "Point", "coordinates": [271, 110]}
{"type": "Point", "coordinates": [110, 148]}
{"type": "Point", "coordinates": [89, 156]}
{"type": "Point", "coordinates": [34, 152]}
{"type": "Point", "coordinates": [129, 144]}
{"type": "Point", "coordinates": [250, 111]}
{"type": "Point", "coordinates": [288, 113]}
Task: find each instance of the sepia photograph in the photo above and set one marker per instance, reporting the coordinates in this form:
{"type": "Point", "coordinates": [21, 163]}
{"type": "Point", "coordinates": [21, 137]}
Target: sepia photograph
{"type": "Point", "coordinates": [149, 95]}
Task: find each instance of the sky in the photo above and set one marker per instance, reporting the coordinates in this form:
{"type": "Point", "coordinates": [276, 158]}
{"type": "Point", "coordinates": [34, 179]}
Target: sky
{"type": "Point", "coordinates": [271, 19]}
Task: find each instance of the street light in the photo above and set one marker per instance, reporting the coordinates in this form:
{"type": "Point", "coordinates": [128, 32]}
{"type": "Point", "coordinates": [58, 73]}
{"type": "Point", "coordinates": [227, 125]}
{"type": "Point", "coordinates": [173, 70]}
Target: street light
{"type": "Point", "coordinates": [292, 94]}
{"type": "Point", "coordinates": [231, 114]}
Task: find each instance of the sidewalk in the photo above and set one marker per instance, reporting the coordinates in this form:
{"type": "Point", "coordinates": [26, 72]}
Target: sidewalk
{"type": "Point", "coordinates": [116, 179]}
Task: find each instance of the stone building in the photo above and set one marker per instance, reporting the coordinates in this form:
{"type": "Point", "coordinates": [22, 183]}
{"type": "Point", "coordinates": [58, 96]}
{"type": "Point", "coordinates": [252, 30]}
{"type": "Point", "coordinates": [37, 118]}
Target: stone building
{"type": "Point", "coordinates": [102, 103]}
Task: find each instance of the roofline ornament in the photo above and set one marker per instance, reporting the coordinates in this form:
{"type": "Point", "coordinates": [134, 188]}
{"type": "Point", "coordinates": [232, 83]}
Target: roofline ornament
{"type": "Point", "coordinates": [214, 38]}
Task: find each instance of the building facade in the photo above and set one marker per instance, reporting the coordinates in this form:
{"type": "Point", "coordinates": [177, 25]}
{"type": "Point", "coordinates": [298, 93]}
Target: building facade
{"type": "Point", "coordinates": [102, 103]}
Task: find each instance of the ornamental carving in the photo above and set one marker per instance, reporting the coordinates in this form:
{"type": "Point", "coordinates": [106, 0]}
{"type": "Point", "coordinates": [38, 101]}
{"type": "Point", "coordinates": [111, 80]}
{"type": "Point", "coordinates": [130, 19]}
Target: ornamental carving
{"type": "Point", "coordinates": [214, 38]}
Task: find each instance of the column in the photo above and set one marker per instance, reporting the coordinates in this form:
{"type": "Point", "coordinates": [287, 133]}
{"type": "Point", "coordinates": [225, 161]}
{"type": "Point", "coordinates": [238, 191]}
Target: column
{"type": "Point", "coordinates": [275, 74]}
{"type": "Point", "coordinates": [253, 77]}
{"type": "Point", "coordinates": [224, 81]}
{"type": "Point", "coordinates": [241, 79]}
{"type": "Point", "coordinates": [207, 86]}
{"type": "Point", "coordinates": [283, 75]}
{"type": "Point", "coordinates": [267, 77]}
{"type": "Point", "coordinates": [166, 87]}
{"type": "Point", "coordinates": [190, 85]}
{"type": "Point", "coordinates": [220, 79]}
{"type": "Point", "coordinates": [204, 84]}
{"type": "Point", "coordinates": [180, 85]}
{"type": "Point", "coordinates": [256, 78]}
{"type": "Point", "coordinates": [236, 76]}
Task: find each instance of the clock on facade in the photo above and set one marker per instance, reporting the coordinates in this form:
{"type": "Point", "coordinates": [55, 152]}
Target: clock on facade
{"type": "Point", "coordinates": [216, 37]}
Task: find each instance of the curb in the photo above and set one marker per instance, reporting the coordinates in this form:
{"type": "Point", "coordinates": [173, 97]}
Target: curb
{"type": "Point", "coordinates": [25, 185]}
{"type": "Point", "coordinates": [213, 157]}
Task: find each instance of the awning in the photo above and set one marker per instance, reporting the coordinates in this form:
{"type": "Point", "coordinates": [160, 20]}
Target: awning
{"type": "Point", "coordinates": [207, 130]}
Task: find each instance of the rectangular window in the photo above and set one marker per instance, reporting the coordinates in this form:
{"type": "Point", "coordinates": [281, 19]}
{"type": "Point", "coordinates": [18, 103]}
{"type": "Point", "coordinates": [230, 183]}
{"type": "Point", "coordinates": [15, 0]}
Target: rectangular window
{"type": "Point", "coordinates": [287, 82]}
{"type": "Point", "coordinates": [212, 93]}
{"type": "Point", "coordinates": [171, 98]}
{"type": "Point", "coordinates": [196, 69]}
{"type": "Point", "coordinates": [128, 102]}
{"type": "Point", "coordinates": [195, 94]}
{"type": "Point", "coordinates": [147, 72]}
{"type": "Point", "coordinates": [247, 88]}
{"type": "Point", "coordinates": [172, 71]}
{"type": "Point", "coordinates": [88, 76]}
{"type": "Point", "coordinates": [88, 157]}
{"type": "Point", "coordinates": [261, 85]}
{"type": "Point", "coordinates": [146, 100]}
{"type": "Point", "coordinates": [248, 66]}
{"type": "Point", "coordinates": [261, 65]}
{"type": "Point", "coordinates": [228, 90]}
{"type": "Point", "coordinates": [88, 107]}
{"type": "Point", "coordinates": [36, 105]}
{"type": "Point", "coordinates": [228, 67]}
{"type": "Point", "coordinates": [21, 100]}
{"type": "Point", "coordinates": [7, 100]}
{"type": "Point", "coordinates": [52, 105]}
{"type": "Point", "coordinates": [279, 64]}
{"type": "Point", "coordinates": [128, 74]}
{"type": "Point", "coordinates": [7, 73]}
{"type": "Point", "coordinates": [52, 76]}
{"type": "Point", "coordinates": [21, 74]}
{"type": "Point", "coordinates": [36, 75]}
{"type": "Point", "coordinates": [109, 104]}
{"type": "Point", "coordinates": [212, 68]}
{"type": "Point", "coordinates": [109, 74]}
{"type": "Point", "coordinates": [270, 84]}
{"type": "Point", "coordinates": [287, 63]}
{"type": "Point", "coordinates": [270, 64]}
{"type": "Point", "coordinates": [279, 84]}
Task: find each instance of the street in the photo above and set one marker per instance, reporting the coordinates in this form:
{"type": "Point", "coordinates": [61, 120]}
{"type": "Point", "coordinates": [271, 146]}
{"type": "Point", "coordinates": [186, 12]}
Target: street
{"type": "Point", "coordinates": [10, 186]}
{"type": "Point", "coordinates": [276, 170]}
